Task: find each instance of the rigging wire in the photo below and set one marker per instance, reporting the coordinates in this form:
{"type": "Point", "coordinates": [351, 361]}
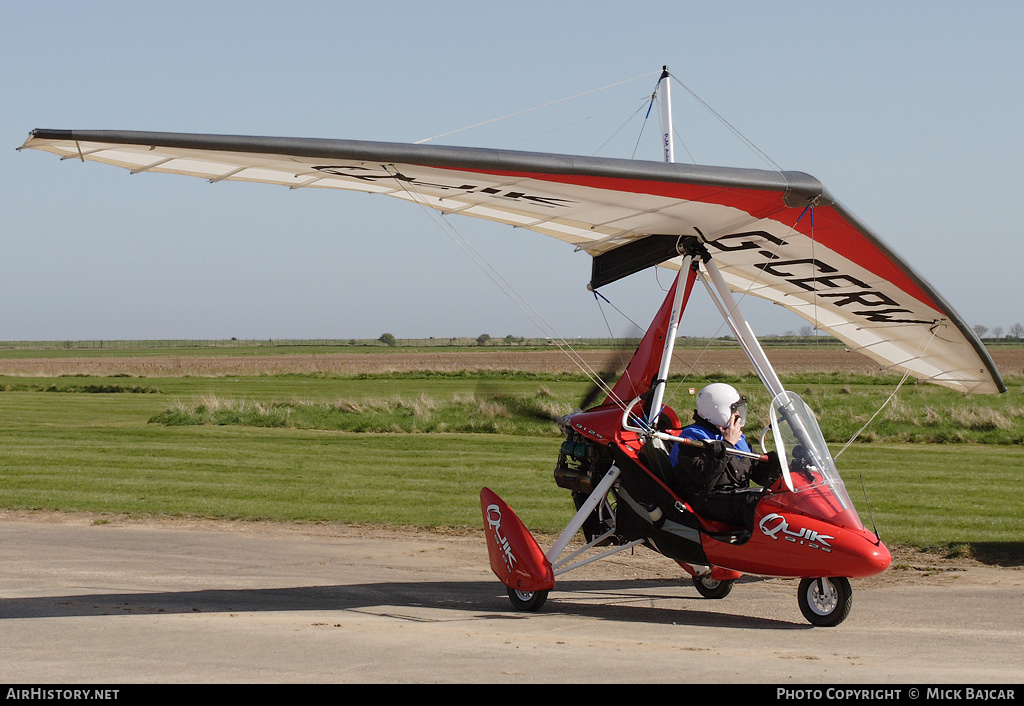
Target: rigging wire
{"type": "Point", "coordinates": [517, 298]}
{"type": "Point", "coordinates": [742, 295]}
{"type": "Point", "coordinates": [617, 309]}
{"type": "Point", "coordinates": [920, 352]}
{"type": "Point", "coordinates": [520, 301]}
{"type": "Point", "coordinates": [583, 120]}
{"type": "Point", "coordinates": [618, 349]}
{"type": "Point", "coordinates": [750, 145]}
{"type": "Point", "coordinates": [528, 110]}
{"type": "Point", "coordinates": [508, 289]}
{"type": "Point", "coordinates": [640, 134]}
{"type": "Point", "coordinates": [762, 156]}
{"type": "Point", "coordinates": [675, 132]}
{"type": "Point", "coordinates": [650, 106]}
{"type": "Point", "coordinates": [620, 128]}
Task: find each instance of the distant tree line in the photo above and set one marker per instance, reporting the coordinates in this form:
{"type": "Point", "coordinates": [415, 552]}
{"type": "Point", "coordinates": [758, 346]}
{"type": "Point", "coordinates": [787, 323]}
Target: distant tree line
{"type": "Point", "coordinates": [1015, 332]}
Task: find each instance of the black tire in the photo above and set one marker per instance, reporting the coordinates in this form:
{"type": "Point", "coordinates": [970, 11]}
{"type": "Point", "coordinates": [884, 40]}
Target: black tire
{"type": "Point", "coordinates": [712, 588]}
{"type": "Point", "coordinates": [825, 602]}
{"type": "Point", "coordinates": [529, 601]}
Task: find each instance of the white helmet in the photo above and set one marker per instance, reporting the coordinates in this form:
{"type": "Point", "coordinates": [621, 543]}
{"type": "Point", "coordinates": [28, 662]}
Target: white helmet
{"type": "Point", "coordinates": [717, 402]}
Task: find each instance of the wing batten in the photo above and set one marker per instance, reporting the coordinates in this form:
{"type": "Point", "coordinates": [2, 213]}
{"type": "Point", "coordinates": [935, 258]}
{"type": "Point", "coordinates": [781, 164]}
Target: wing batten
{"type": "Point", "coordinates": [830, 269]}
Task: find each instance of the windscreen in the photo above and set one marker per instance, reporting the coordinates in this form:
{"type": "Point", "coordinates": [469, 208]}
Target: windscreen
{"type": "Point", "coordinates": [818, 490]}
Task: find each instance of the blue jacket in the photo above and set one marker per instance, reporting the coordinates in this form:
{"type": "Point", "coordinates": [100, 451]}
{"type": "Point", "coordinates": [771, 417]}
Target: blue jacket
{"type": "Point", "coordinates": [701, 432]}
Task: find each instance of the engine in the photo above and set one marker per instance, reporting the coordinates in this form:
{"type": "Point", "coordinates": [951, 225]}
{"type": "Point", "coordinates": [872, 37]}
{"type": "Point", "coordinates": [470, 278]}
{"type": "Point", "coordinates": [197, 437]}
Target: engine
{"type": "Point", "coordinates": [581, 463]}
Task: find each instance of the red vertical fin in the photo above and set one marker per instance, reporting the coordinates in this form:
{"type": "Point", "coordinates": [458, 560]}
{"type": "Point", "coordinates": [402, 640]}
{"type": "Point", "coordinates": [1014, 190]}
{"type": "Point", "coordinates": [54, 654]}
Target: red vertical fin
{"type": "Point", "coordinates": [514, 554]}
{"type": "Point", "coordinates": [643, 366]}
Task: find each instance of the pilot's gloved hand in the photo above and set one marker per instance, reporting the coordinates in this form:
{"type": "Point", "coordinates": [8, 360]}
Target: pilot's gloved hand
{"type": "Point", "coordinates": [768, 471]}
{"type": "Point", "coordinates": [715, 448]}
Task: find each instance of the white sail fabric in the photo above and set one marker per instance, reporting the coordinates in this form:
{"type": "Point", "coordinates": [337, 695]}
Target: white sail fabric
{"type": "Point", "coordinates": [776, 235]}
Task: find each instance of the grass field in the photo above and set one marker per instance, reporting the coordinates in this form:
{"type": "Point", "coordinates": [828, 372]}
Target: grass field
{"type": "Point", "coordinates": [938, 470]}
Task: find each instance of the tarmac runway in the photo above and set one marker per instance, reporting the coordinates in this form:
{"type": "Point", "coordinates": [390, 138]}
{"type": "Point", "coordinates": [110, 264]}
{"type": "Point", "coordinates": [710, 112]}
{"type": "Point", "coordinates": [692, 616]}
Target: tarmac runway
{"type": "Point", "coordinates": [86, 599]}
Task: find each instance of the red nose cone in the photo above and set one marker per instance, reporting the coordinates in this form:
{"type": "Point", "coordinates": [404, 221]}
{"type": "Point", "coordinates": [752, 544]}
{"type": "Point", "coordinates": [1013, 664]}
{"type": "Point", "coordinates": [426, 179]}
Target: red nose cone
{"type": "Point", "coordinates": [871, 560]}
{"type": "Point", "coordinates": [881, 558]}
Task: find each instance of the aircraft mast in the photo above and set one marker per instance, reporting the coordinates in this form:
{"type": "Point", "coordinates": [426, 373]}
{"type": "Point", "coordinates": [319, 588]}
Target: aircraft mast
{"type": "Point", "coordinates": [677, 302]}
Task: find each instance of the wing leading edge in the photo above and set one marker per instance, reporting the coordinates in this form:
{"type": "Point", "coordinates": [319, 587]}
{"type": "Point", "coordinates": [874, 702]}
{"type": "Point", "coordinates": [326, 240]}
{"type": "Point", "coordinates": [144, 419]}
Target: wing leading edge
{"type": "Point", "coordinates": [776, 235]}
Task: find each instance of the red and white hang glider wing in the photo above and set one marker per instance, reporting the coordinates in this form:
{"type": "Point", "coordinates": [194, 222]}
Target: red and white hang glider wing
{"type": "Point", "coordinates": [776, 235]}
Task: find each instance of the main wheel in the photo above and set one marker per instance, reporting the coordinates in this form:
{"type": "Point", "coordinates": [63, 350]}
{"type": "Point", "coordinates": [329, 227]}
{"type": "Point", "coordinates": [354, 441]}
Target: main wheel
{"type": "Point", "coordinates": [529, 601]}
{"type": "Point", "coordinates": [825, 602]}
{"type": "Point", "coordinates": [711, 588]}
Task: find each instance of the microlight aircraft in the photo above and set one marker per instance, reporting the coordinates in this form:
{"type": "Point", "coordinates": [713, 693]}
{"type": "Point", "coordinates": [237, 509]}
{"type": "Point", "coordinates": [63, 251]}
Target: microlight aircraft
{"type": "Point", "coordinates": [779, 235]}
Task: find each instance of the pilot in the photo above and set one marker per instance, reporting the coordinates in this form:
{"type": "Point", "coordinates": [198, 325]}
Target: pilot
{"type": "Point", "coordinates": [714, 483]}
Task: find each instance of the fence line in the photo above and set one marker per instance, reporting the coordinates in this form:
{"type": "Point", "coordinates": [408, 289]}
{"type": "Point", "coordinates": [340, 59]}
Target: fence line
{"type": "Point", "coordinates": [354, 343]}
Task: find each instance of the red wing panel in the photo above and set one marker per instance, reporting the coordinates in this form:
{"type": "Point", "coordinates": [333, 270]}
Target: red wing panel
{"type": "Point", "coordinates": [643, 366]}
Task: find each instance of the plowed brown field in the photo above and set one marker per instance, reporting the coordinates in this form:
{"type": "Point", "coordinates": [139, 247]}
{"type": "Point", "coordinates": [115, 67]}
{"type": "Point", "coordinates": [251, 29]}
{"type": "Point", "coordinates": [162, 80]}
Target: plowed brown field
{"type": "Point", "coordinates": [786, 361]}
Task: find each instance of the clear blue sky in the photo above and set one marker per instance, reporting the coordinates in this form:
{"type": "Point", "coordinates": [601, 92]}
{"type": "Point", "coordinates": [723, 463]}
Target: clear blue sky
{"type": "Point", "coordinates": [909, 112]}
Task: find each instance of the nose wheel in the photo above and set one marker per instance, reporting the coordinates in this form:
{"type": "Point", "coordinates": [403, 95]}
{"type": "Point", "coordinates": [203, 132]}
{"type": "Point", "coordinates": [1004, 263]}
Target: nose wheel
{"type": "Point", "coordinates": [529, 601]}
{"type": "Point", "coordinates": [825, 602]}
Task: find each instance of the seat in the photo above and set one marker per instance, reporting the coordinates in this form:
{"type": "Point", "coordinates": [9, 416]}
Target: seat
{"type": "Point", "coordinates": [655, 456]}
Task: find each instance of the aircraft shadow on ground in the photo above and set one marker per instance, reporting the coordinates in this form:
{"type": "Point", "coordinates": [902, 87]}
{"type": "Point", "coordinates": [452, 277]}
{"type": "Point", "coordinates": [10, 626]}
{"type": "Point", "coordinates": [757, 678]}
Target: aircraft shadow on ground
{"type": "Point", "coordinates": [1005, 554]}
{"type": "Point", "coordinates": [606, 600]}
